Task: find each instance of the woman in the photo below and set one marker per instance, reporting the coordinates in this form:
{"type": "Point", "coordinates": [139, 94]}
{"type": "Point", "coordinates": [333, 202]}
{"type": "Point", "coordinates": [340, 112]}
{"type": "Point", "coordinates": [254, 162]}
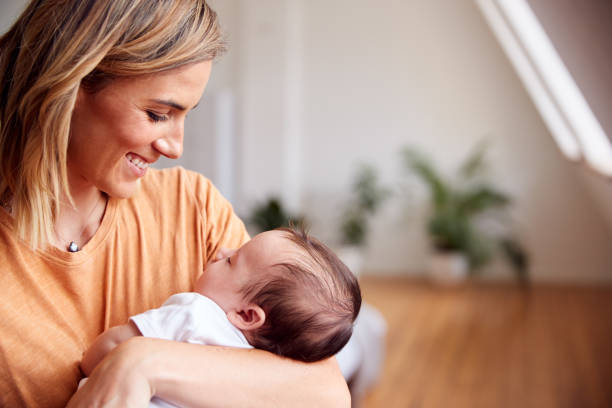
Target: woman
{"type": "Point", "coordinates": [91, 93]}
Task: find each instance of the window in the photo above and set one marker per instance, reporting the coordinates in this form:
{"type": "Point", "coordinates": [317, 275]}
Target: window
{"type": "Point", "coordinates": [560, 102]}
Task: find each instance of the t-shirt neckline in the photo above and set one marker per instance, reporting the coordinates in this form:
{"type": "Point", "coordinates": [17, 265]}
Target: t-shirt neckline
{"type": "Point", "coordinates": [73, 258]}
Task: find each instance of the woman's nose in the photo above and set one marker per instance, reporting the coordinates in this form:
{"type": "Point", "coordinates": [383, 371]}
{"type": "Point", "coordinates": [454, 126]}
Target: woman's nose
{"type": "Point", "coordinates": [171, 145]}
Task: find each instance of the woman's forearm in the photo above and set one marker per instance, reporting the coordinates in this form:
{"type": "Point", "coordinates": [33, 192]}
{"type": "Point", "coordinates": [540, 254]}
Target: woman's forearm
{"type": "Point", "coordinates": [195, 375]}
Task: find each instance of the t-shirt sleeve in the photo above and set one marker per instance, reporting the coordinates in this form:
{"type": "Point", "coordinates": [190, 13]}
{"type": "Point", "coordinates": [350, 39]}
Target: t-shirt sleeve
{"type": "Point", "coordinates": [222, 227]}
{"type": "Point", "coordinates": [169, 322]}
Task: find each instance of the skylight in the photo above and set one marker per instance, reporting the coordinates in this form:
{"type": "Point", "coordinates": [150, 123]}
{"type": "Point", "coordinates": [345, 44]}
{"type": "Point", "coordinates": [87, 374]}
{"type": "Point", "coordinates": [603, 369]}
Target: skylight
{"type": "Point", "coordinates": [560, 102]}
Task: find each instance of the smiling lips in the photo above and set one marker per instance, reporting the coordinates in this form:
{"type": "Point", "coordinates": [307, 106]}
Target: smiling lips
{"type": "Point", "coordinates": [139, 163]}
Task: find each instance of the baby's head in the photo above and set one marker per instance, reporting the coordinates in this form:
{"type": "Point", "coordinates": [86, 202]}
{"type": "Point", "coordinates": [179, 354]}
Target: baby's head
{"type": "Point", "coordinates": [287, 292]}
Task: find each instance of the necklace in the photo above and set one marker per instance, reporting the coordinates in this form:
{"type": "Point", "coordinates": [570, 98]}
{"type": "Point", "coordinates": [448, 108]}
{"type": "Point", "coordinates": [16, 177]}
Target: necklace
{"type": "Point", "coordinates": [72, 245]}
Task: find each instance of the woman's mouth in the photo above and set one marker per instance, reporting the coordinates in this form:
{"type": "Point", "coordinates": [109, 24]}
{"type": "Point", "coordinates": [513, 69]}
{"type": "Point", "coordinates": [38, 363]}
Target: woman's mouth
{"type": "Point", "coordinates": [137, 164]}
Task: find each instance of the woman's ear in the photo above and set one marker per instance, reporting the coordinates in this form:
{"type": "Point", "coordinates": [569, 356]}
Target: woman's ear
{"type": "Point", "coordinates": [251, 317]}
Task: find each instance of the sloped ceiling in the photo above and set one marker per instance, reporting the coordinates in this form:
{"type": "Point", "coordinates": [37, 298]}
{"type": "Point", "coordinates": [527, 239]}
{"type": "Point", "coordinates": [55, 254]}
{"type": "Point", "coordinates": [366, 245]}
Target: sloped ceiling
{"type": "Point", "coordinates": [581, 32]}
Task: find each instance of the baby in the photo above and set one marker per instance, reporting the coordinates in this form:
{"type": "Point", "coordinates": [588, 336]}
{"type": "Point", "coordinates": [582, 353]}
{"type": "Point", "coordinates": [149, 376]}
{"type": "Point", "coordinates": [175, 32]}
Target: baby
{"type": "Point", "coordinates": [282, 291]}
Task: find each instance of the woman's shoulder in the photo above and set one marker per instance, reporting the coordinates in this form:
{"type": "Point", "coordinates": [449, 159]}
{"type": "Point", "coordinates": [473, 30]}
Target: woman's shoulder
{"type": "Point", "coordinates": [173, 182]}
{"type": "Point", "coordinates": [179, 185]}
{"type": "Point", "coordinates": [171, 177]}
{"type": "Point", "coordinates": [175, 194]}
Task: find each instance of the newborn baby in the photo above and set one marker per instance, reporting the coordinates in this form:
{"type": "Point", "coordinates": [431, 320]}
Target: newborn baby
{"type": "Point", "coordinates": [283, 291]}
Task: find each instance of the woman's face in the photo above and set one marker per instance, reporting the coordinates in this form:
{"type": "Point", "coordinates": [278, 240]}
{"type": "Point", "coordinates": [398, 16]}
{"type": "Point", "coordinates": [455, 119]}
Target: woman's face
{"type": "Point", "coordinates": [117, 132]}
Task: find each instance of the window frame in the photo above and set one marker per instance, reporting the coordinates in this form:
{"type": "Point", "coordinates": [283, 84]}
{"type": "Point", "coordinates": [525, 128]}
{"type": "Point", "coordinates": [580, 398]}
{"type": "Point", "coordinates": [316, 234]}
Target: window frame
{"type": "Point", "coordinates": [550, 85]}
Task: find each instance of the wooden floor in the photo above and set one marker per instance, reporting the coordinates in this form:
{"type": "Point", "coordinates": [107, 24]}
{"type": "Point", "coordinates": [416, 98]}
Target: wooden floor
{"type": "Point", "coordinates": [493, 346]}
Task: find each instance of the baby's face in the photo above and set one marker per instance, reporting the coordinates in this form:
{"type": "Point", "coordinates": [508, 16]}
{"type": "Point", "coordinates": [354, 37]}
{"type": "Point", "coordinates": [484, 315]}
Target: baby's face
{"type": "Point", "coordinates": [224, 278]}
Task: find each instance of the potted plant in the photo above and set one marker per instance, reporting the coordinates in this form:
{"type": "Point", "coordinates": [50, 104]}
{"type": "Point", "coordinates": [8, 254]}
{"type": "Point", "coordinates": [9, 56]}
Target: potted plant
{"type": "Point", "coordinates": [366, 197]}
{"type": "Point", "coordinates": [457, 210]}
{"type": "Point", "coordinates": [271, 214]}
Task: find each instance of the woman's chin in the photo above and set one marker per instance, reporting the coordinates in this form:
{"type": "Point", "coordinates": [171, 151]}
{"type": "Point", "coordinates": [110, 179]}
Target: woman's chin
{"type": "Point", "coordinates": [123, 190]}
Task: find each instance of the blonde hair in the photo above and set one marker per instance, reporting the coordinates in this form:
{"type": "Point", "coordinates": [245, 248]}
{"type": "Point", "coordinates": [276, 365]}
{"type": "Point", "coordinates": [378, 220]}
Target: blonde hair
{"type": "Point", "coordinates": [58, 45]}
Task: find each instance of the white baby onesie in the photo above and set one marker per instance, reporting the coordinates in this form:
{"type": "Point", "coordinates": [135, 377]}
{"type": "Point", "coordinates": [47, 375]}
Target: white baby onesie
{"type": "Point", "coordinates": [192, 318]}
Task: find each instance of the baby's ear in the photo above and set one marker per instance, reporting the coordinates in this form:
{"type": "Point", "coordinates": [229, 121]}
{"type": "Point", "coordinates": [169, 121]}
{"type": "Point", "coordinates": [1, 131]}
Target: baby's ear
{"type": "Point", "coordinates": [251, 317]}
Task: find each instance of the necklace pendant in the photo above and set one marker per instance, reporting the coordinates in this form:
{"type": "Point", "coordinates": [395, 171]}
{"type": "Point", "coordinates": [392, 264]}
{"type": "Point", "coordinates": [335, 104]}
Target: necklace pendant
{"type": "Point", "coordinates": [73, 247]}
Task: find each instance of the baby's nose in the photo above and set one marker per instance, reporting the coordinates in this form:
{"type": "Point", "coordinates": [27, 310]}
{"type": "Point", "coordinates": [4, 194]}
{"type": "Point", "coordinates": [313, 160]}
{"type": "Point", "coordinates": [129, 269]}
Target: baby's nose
{"type": "Point", "coordinates": [224, 253]}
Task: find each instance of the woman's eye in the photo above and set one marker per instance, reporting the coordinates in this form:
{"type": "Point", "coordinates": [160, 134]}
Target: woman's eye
{"type": "Point", "coordinates": [155, 117]}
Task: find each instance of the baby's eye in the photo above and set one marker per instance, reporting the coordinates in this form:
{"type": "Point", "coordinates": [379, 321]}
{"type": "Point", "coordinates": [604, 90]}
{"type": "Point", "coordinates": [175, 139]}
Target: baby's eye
{"type": "Point", "coordinates": [229, 260]}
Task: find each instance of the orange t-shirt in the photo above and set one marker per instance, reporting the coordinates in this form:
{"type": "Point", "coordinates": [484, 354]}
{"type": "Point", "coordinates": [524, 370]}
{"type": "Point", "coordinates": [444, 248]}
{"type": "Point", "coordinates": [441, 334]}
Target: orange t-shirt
{"type": "Point", "coordinates": [54, 303]}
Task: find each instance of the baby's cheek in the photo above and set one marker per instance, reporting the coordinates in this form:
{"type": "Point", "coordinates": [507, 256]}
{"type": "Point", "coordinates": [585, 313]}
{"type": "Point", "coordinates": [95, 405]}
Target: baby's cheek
{"type": "Point", "coordinates": [200, 282]}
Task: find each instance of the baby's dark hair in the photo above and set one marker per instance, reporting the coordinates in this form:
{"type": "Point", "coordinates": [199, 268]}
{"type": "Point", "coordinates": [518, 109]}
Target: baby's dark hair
{"type": "Point", "coordinates": [310, 303]}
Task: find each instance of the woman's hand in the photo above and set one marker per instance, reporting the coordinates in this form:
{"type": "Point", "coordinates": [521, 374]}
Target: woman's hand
{"type": "Point", "coordinates": [119, 380]}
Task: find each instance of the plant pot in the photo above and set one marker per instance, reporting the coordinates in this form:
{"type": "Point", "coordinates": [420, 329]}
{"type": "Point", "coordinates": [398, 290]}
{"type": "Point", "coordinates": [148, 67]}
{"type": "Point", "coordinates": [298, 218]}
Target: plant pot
{"type": "Point", "coordinates": [448, 268]}
{"type": "Point", "coordinates": [352, 257]}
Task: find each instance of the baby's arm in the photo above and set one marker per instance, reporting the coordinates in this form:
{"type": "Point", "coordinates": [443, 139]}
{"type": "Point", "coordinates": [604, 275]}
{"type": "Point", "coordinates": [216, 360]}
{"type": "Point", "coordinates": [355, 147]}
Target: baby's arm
{"type": "Point", "coordinates": [104, 343]}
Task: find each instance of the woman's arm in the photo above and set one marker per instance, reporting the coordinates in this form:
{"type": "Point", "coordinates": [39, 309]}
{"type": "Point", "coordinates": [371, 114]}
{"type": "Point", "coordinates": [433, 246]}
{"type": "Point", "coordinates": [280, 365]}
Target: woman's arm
{"type": "Point", "coordinates": [205, 376]}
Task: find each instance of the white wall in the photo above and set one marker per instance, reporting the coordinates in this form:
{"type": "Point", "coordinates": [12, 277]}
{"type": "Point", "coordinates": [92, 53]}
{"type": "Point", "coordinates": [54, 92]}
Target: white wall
{"type": "Point", "coordinates": [316, 86]}
{"type": "Point", "coordinates": [9, 11]}
{"type": "Point", "coordinates": [581, 32]}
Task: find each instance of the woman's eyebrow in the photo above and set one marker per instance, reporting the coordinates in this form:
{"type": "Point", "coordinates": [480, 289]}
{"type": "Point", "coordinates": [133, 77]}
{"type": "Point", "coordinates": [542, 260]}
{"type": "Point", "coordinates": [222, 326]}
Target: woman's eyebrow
{"type": "Point", "coordinates": [173, 104]}
{"type": "Point", "coordinates": [170, 103]}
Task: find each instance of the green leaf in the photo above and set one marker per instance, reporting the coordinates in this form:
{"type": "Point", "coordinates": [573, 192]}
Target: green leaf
{"type": "Point", "coordinates": [440, 191]}
{"type": "Point", "coordinates": [475, 163]}
{"type": "Point", "coordinates": [479, 199]}
{"type": "Point", "coordinates": [354, 228]}
{"type": "Point", "coordinates": [367, 189]}
{"type": "Point", "coordinates": [271, 214]}
{"type": "Point", "coordinates": [368, 195]}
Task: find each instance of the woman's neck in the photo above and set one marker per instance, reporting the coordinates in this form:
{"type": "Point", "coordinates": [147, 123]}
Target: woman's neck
{"type": "Point", "coordinates": [80, 222]}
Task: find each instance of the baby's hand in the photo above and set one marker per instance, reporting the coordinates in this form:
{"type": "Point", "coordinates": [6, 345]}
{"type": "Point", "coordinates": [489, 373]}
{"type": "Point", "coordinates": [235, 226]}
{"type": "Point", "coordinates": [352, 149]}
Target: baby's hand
{"type": "Point", "coordinates": [106, 342]}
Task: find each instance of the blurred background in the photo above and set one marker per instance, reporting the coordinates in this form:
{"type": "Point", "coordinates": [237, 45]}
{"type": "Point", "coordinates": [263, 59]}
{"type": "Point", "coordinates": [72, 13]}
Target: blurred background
{"type": "Point", "coordinates": [404, 132]}
{"type": "Point", "coordinates": [310, 89]}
